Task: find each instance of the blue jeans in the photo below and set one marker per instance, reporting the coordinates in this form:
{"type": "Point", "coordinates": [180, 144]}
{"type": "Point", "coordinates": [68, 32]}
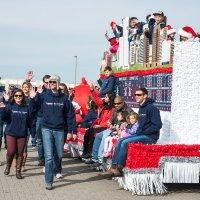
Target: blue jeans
{"type": "Point", "coordinates": [39, 139]}
{"type": "Point", "coordinates": [53, 151]}
{"type": "Point", "coordinates": [121, 148]}
{"type": "Point", "coordinates": [98, 146]}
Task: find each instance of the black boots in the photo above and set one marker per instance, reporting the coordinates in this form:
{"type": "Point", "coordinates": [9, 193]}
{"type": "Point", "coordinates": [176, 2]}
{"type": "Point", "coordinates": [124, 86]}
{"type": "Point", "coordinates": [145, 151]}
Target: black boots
{"type": "Point", "coordinates": [19, 167]}
{"type": "Point", "coordinates": [9, 160]}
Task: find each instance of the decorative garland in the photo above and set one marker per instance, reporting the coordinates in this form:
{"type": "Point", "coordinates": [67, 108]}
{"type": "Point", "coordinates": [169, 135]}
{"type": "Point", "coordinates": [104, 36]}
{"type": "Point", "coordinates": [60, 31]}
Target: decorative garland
{"type": "Point", "coordinates": [148, 167]}
{"type": "Point", "coordinates": [141, 72]}
{"type": "Point", "coordinates": [142, 156]}
{"type": "Point", "coordinates": [151, 181]}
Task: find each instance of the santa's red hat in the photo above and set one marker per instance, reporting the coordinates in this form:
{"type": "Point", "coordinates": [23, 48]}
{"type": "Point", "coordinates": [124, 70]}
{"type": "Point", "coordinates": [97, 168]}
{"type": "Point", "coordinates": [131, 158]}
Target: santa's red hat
{"type": "Point", "coordinates": [170, 30]}
{"type": "Point", "coordinates": [187, 32]}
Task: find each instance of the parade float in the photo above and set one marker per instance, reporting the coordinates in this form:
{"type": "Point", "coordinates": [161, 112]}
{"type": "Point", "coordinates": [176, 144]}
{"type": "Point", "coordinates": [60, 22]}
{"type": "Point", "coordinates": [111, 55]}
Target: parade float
{"type": "Point", "coordinates": [170, 71]}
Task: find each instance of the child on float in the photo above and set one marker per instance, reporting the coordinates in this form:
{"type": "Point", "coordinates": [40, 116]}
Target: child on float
{"type": "Point", "coordinates": [125, 130]}
{"type": "Point", "coordinates": [115, 134]}
{"type": "Point", "coordinates": [108, 84]}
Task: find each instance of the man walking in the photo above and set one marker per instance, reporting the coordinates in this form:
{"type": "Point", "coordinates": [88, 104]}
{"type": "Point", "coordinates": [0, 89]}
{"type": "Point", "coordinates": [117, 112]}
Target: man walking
{"type": "Point", "coordinates": [57, 113]}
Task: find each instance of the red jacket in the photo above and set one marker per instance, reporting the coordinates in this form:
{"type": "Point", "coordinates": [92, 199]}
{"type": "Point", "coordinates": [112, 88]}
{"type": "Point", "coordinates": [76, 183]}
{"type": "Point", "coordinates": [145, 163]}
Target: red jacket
{"type": "Point", "coordinates": [104, 114]}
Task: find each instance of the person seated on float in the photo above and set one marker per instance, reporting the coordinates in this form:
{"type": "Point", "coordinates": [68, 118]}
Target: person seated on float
{"type": "Point", "coordinates": [108, 84]}
{"type": "Point", "coordinates": [187, 33]}
{"type": "Point", "coordinates": [135, 29]}
{"type": "Point", "coordinates": [158, 19]}
{"type": "Point", "coordinates": [105, 109]}
{"type": "Point", "coordinates": [91, 116]}
{"type": "Point", "coordinates": [147, 133]}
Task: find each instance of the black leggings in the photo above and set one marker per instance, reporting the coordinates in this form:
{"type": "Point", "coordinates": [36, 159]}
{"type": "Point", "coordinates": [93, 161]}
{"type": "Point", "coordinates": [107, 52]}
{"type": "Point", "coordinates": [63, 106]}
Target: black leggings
{"type": "Point", "coordinates": [15, 145]}
{"type": "Point", "coordinates": [89, 139]}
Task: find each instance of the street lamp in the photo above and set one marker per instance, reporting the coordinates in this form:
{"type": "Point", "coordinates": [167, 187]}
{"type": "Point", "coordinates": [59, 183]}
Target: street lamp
{"type": "Point", "coordinates": [76, 58]}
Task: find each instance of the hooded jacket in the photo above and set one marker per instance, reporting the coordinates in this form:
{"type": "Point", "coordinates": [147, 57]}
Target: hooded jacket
{"type": "Point", "coordinates": [149, 120]}
{"type": "Point", "coordinates": [57, 111]}
{"type": "Point", "coordinates": [18, 119]}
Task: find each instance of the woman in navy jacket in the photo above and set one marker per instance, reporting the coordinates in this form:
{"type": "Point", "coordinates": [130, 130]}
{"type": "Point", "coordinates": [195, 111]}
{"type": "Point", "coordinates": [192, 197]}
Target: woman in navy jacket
{"type": "Point", "coordinates": [17, 116]}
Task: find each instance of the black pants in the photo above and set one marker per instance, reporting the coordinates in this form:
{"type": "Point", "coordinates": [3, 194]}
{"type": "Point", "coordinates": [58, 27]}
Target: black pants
{"type": "Point", "coordinates": [89, 139]}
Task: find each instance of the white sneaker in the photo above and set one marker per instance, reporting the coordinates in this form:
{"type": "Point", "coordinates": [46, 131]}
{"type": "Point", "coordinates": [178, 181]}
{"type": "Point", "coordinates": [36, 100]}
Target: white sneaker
{"type": "Point", "coordinates": [43, 170]}
{"type": "Point", "coordinates": [59, 176]}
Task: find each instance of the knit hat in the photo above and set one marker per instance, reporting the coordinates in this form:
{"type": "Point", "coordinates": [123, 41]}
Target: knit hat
{"type": "Point", "coordinates": [187, 32]}
{"type": "Point", "coordinates": [170, 30]}
{"type": "Point", "coordinates": [55, 78]}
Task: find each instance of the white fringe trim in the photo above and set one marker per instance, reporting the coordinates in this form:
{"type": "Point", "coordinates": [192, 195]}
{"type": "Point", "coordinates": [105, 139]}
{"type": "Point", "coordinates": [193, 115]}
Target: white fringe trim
{"type": "Point", "coordinates": [147, 183]}
{"type": "Point", "coordinates": [142, 184]}
{"type": "Point", "coordinates": [174, 172]}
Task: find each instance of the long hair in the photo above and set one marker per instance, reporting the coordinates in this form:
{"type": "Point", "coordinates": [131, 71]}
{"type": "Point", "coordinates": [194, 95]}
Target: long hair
{"type": "Point", "coordinates": [65, 91]}
{"type": "Point", "coordinates": [134, 114]}
{"type": "Point", "coordinates": [109, 104]}
{"type": "Point", "coordinates": [12, 100]}
{"type": "Point", "coordinates": [91, 104]}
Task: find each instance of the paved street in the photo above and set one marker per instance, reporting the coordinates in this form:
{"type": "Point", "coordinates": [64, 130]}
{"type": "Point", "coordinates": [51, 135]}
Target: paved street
{"type": "Point", "coordinates": [79, 183]}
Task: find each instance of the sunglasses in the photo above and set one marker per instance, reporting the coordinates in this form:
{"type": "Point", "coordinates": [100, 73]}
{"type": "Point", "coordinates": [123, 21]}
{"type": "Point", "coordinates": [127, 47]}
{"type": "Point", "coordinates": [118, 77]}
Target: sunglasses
{"type": "Point", "coordinates": [118, 103]}
{"type": "Point", "coordinates": [46, 82]}
{"type": "Point", "coordinates": [18, 95]}
{"type": "Point", "coordinates": [139, 95]}
{"type": "Point", "coordinates": [53, 82]}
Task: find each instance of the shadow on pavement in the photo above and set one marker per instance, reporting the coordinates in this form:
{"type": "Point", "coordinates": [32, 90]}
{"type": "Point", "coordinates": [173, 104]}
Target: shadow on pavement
{"type": "Point", "coordinates": [183, 188]}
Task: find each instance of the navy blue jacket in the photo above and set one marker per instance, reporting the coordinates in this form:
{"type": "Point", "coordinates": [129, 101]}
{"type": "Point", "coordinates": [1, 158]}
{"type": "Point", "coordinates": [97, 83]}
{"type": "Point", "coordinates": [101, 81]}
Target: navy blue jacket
{"type": "Point", "coordinates": [89, 118]}
{"type": "Point", "coordinates": [18, 119]}
{"type": "Point", "coordinates": [149, 120]}
{"type": "Point", "coordinates": [118, 31]}
{"type": "Point", "coordinates": [107, 85]}
{"type": "Point", "coordinates": [57, 111]}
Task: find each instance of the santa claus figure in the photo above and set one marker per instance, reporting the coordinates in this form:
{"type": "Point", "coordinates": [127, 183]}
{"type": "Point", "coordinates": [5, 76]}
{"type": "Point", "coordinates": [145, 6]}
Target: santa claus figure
{"type": "Point", "coordinates": [187, 33]}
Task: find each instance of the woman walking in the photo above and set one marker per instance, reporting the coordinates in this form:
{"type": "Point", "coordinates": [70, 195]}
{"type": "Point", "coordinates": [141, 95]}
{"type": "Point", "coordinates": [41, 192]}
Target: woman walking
{"type": "Point", "coordinates": [17, 116]}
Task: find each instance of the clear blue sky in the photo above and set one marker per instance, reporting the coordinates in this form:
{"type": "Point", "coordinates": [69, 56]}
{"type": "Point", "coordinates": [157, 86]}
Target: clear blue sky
{"type": "Point", "coordinates": [44, 35]}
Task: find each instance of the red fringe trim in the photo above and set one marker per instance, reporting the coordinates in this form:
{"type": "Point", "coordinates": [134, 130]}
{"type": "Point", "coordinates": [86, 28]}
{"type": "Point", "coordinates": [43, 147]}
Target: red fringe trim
{"type": "Point", "coordinates": [167, 70]}
{"type": "Point", "coordinates": [148, 156]}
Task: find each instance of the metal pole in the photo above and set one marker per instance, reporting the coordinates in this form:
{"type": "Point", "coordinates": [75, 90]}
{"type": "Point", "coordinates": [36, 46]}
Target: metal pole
{"type": "Point", "coordinates": [75, 69]}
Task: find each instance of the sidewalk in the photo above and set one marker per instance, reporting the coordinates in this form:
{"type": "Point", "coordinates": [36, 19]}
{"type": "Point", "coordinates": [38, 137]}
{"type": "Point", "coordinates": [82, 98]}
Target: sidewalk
{"type": "Point", "coordinates": [79, 183]}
